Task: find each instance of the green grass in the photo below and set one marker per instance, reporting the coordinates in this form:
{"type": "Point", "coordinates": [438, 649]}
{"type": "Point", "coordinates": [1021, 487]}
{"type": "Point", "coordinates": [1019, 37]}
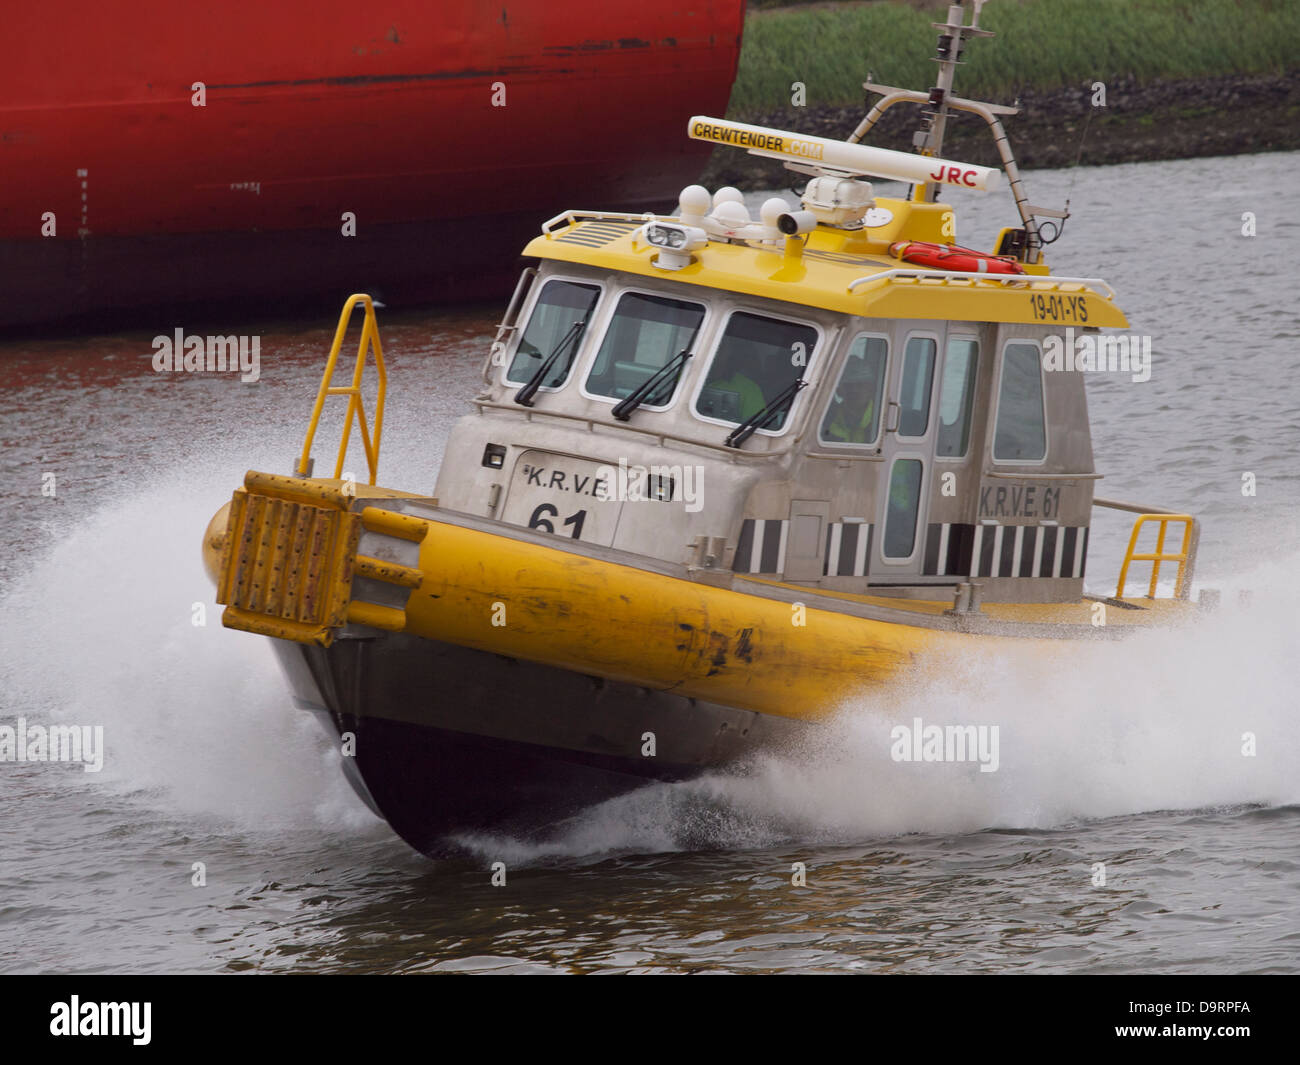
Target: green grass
{"type": "Point", "coordinates": [1041, 44]}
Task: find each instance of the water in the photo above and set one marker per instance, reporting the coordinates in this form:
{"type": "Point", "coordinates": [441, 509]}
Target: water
{"type": "Point", "coordinates": [1127, 755]}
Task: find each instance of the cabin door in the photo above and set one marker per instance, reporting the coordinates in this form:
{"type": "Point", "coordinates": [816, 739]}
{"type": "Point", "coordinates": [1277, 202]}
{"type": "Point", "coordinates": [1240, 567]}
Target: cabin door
{"type": "Point", "coordinates": [907, 448]}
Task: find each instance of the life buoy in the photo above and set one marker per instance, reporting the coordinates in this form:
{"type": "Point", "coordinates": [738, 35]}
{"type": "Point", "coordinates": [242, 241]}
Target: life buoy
{"type": "Point", "coordinates": [953, 257]}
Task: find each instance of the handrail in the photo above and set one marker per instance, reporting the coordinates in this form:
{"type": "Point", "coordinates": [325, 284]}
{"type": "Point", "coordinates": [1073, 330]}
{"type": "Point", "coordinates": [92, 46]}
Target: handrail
{"type": "Point", "coordinates": [369, 332]}
{"type": "Point", "coordinates": [1132, 508]}
{"type": "Point", "coordinates": [1184, 556]}
{"type": "Point", "coordinates": [1008, 476]}
{"type": "Point", "coordinates": [1002, 279]}
{"type": "Point", "coordinates": [574, 217]}
{"type": "Point", "coordinates": [509, 322]}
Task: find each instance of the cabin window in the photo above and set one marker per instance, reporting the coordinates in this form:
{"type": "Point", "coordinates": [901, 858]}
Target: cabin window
{"type": "Point", "coordinates": [904, 504]}
{"type": "Point", "coordinates": [853, 416]}
{"type": "Point", "coordinates": [1021, 434]}
{"type": "Point", "coordinates": [645, 334]}
{"type": "Point", "coordinates": [558, 320]}
{"type": "Point", "coordinates": [757, 360]}
{"type": "Point", "coordinates": [918, 379]}
{"type": "Point", "coordinates": [957, 397]}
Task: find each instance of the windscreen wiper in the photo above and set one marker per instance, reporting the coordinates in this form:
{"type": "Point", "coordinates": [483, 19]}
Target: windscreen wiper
{"type": "Point", "coordinates": [526, 392]}
{"type": "Point", "coordinates": [624, 408]}
{"type": "Point", "coordinates": [760, 419]}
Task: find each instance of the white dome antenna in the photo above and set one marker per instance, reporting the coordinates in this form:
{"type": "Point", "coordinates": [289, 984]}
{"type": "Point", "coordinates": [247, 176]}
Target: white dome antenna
{"type": "Point", "coordinates": [693, 205]}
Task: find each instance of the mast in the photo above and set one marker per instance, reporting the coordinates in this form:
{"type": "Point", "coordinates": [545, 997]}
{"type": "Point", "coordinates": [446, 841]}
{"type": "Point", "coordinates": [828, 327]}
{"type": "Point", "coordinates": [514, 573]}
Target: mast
{"type": "Point", "coordinates": [928, 140]}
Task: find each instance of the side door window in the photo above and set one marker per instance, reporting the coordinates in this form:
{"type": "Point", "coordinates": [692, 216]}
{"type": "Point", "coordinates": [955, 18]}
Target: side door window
{"type": "Point", "coordinates": [916, 386]}
{"type": "Point", "coordinates": [908, 453]}
{"type": "Point", "coordinates": [957, 397]}
{"type": "Point", "coordinates": [854, 414]}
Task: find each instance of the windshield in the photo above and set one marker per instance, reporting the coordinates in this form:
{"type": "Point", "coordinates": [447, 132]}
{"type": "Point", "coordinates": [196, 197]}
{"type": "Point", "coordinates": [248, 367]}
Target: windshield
{"type": "Point", "coordinates": [757, 359]}
{"type": "Point", "coordinates": [559, 306]}
{"type": "Point", "coordinates": [644, 335]}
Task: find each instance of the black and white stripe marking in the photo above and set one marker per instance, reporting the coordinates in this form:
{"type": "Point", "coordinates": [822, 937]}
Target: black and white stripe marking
{"type": "Point", "coordinates": [993, 550]}
{"type": "Point", "coordinates": [1029, 550]}
{"type": "Point", "coordinates": [762, 546]}
{"type": "Point", "coordinates": [988, 549]}
{"type": "Point", "coordinates": [848, 549]}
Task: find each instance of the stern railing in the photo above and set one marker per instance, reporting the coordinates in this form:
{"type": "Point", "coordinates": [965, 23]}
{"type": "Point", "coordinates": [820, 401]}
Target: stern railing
{"type": "Point", "coordinates": [356, 407]}
{"type": "Point", "coordinates": [1185, 556]}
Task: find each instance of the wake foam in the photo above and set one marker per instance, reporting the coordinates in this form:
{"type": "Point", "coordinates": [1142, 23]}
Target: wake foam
{"type": "Point", "coordinates": [1087, 730]}
{"type": "Point", "coordinates": [198, 719]}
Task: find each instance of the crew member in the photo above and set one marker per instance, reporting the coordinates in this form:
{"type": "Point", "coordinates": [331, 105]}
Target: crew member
{"type": "Point", "coordinates": [730, 368]}
{"type": "Point", "coordinates": [851, 418]}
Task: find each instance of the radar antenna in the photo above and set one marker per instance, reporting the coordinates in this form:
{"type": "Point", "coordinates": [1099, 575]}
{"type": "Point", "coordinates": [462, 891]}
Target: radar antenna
{"type": "Point", "coordinates": [928, 140]}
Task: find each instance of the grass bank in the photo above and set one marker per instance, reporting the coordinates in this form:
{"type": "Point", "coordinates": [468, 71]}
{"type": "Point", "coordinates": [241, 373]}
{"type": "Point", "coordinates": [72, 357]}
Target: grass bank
{"type": "Point", "coordinates": [1183, 78]}
{"type": "Point", "coordinates": [1040, 44]}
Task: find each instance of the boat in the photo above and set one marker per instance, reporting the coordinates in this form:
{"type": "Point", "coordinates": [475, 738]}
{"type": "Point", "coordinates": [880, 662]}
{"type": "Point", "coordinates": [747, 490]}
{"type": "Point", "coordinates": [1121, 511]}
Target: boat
{"type": "Point", "coordinates": [164, 158]}
{"type": "Point", "coordinates": [726, 474]}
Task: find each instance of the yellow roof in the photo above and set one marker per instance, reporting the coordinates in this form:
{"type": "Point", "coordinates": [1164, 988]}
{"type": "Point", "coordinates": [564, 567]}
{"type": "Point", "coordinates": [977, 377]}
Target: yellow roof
{"type": "Point", "coordinates": [832, 259]}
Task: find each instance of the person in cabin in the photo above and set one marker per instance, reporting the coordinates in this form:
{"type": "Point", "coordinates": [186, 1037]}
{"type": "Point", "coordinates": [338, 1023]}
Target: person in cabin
{"type": "Point", "coordinates": [851, 416]}
{"type": "Point", "coordinates": [728, 373]}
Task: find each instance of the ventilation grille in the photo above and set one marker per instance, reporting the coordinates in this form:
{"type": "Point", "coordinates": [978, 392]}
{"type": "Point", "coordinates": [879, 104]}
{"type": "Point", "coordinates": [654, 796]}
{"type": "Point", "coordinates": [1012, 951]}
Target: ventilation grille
{"type": "Point", "coordinates": [596, 234]}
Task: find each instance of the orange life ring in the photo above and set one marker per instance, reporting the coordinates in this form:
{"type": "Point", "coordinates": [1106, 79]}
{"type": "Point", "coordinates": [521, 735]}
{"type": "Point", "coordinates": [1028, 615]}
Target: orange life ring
{"type": "Point", "coordinates": [953, 257]}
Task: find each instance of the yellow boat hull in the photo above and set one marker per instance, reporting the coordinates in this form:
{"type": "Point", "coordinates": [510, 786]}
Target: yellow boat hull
{"type": "Point", "coordinates": [472, 663]}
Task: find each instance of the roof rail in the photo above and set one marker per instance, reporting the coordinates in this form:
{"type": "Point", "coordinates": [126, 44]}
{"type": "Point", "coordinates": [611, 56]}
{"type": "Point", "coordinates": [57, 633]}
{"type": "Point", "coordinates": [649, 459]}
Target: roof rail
{"type": "Point", "coordinates": [574, 217]}
{"type": "Point", "coordinates": [1030, 280]}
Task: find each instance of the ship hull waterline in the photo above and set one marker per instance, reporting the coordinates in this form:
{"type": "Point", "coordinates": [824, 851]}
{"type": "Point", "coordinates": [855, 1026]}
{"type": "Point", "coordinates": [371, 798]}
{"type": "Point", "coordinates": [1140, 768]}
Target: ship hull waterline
{"type": "Point", "coordinates": [447, 743]}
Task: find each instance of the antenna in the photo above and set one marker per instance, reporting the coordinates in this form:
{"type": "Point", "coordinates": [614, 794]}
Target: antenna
{"type": "Point", "coordinates": [819, 156]}
{"type": "Point", "coordinates": [928, 140]}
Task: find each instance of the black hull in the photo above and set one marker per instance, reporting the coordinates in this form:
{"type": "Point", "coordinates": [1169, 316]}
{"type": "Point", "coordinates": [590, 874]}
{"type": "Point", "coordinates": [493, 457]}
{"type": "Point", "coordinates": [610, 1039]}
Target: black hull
{"type": "Point", "coordinates": [452, 742]}
{"type": "Point", "coordinates": [147, 282]}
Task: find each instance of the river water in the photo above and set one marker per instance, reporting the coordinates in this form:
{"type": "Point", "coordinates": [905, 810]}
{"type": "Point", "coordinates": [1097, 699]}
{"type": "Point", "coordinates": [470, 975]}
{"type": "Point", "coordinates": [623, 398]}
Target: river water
{"type": "Point", "coordinates": [1127, 757]}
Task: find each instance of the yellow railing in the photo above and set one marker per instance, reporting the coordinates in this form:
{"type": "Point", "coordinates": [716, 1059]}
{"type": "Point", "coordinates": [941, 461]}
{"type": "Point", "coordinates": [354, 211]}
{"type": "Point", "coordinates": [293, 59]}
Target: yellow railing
{"type": "Point", "coordinates": [1160, 555]}
{"type": "Point", "coordinates": [369, 333]}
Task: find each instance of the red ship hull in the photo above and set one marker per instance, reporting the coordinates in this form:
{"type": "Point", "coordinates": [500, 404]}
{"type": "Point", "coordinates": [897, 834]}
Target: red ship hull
{"type": "Point", "coordinates": [449, 132]}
